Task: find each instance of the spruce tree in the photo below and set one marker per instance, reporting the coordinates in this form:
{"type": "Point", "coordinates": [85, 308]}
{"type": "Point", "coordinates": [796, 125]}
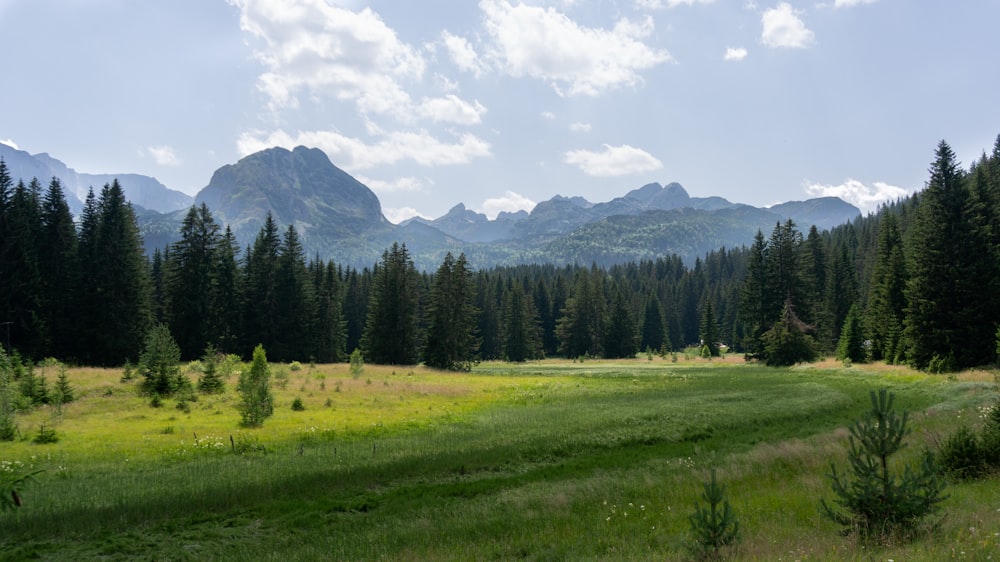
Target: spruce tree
{"type": "Point", "coordinates": [116, 275]}
{"type": "Point", "coordinates": [159, 363]}
{"type": "Point", "coordinates": [59, 271]}
{"type": "Point", "coordinates": [451, 340]}
{"type": "Point", "coordinates": [851, 346]}
{"type": "Point", "coordinates": [520, 329]}
{"type": "Point", "coordinates": [391, 332]}
{"type": "Point", "coordinates": [294, 298]}
{"type": "Point", "coordinates": [948, 291]}
{"type": "Point", "coordinates": [260, 306]}
{"type": "Point", "coordinates": [190, 283]}
{"type": "Point", "coordinates": [886, 297]}
{"type": "Point", "coordinates": [653, 330]}
{"type": "Point", "coordinates": [256, 400]}
{"type": "Point", "coordinates": [709, 332]}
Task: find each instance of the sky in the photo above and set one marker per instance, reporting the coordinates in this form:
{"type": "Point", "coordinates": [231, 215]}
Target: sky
{"type": "Point", "coordinates": [501, 104]}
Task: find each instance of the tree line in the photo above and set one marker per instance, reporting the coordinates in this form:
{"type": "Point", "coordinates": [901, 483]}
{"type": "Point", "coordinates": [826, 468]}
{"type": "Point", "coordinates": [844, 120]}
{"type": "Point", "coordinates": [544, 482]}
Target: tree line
{"type": "Point", "coordinates": [914, 282]}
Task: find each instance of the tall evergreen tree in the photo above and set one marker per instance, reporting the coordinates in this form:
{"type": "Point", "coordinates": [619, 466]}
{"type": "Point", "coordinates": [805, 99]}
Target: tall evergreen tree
{"type": "Point", "coordinates": [451, 339]}
{"type": "Point", "coordinates": [260, 304]}
{"type": "Point", "coordinates": [58, 269]}
{"type": "Point", "coordinates": [581, 329]}
{"type": "Point", "coordinates": [294, 297]}
{"type": "Point", "coordinates": [191, 284]}
{"type": "Point", "coordinates": [521, 332]}
{"type": "Point", "coordinates": [653, 330]}
{"type": "Point", "coordinates": [887, 298]}
{"type": "Point", "coordinates": [620, 335]}
{"type": "Point", "coordinates": [488, 321]}
{"type": "Point", "coordinates": [226, 314]}
{"type": "Point", "coordinates": [391, 334]}
{"type": "Point", "coordinates": [709, 333]}
{"type": "Point", "coordinates": [946, 293]}
{"type": "Point", "coordinates": [117, 276]}
{"type": "Point", "coordinates": [23, 293]}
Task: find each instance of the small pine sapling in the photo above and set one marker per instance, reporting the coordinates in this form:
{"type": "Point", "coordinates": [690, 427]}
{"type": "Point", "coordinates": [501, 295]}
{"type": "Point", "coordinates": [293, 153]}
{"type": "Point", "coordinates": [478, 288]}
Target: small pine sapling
{"type": "Point", "coordinates": [877, 503]}
{"type": "Point", "coordinates": [714, 526]}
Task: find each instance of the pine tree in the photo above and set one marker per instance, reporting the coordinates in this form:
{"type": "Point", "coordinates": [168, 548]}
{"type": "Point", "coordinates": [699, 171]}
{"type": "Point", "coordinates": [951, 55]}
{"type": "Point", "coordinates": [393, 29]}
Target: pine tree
{"type": "Point", "coordinates": [851, 346]}
{"type": "Point", "coordinates": [488, 321]}
{"type": "Point", "coordinates": [260, 306]}
{"type": "Point", "coordinates": [294, 299]}
{"type": "Point", "coordinates": [653, 330]}
{"type": "Point", "coordinates": [451, 340]}
{"type": "Point", "coordinates": [256, 400]}
{"type": "Point", "coordinates": [948, 291]}
{"type": "Point", "coordinates": [581, 329]}
{"type": "Point", "coordinates": [23, 295]}
{"type": "Point", "coordinates": [620, 336]}
{"type": "Point", "coordinates": [709, 333]}
{"type": "Point", "coordinates": [226, 318]}
{"type": "Point", "coordinates": [887, 297]}
{"type": "Point", "coordinates": [755, 297]}
{"type": "Point", "coordinates": [521, 335]}
{"type": "Point", "coordinates": [116, 275]}
{"type": "Point", "coordinates": [190, 283]}
{"type": "Point", "coordinates": [391, 334]}
{"type": "Point", "coordinates": [58, 269]}
{"type": "Point", "coordinates": [876, 502]}
{"type": "Point", "coordinates": [159, 363]}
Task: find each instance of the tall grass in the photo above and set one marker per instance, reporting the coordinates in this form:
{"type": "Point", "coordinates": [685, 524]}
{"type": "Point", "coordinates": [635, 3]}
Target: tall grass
{"type": "Point", "coordinates": [551, 460]}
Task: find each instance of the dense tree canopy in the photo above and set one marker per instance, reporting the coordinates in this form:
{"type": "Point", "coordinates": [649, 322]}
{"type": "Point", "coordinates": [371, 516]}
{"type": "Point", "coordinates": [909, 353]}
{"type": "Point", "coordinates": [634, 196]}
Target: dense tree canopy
{"type": "Point", "coordinates": [915, 282]}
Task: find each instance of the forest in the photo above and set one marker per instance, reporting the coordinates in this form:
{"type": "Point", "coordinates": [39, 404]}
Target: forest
{"type": "Point", "coordinates": [915, 282]}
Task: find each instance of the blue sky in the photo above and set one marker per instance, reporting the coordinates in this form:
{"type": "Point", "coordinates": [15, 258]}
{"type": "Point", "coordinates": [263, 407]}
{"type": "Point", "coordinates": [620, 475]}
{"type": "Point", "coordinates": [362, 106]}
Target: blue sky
{"type": "Point", "coordinates": [500, 104]}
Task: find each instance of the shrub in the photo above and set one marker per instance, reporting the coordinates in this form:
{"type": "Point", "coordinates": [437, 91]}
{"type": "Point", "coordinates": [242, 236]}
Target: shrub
{"type": "Point", "coordinates": [357, 363]}
{"type": "Point", "coordinates": [713, 526]}
{"type": "Point", "coordinates": [961, 454]}
{"type": "Point", "coordinates": [878, 504]}
{"type": "Point", "coordinates": [46, 435]}
{"type": "Point", "coordinates": [297, 405]}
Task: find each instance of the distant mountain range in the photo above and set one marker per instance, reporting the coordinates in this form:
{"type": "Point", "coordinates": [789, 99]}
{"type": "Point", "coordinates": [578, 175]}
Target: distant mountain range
{"type": "Point", "coordinates": [142, 191]}
{"type": "Point", "coordinates": [340, 218]}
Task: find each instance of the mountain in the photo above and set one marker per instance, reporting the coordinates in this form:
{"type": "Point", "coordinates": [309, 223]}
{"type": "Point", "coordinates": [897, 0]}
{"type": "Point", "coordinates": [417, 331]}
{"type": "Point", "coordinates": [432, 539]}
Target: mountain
{"type": "Point", "coordinates": [142, 191]}
{"type": "Point", "coordinates": [824, 212]}
{"type": "Point", "coordinates": [340, 218]}
{"type": "Point", "coordinates": [334, 214]}
{"type": "Point", "coordinates": [463, 224]}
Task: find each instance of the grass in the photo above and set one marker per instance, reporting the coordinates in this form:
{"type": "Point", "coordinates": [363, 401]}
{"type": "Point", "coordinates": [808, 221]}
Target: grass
{"type": "Point", "coordinates": [551, 460]}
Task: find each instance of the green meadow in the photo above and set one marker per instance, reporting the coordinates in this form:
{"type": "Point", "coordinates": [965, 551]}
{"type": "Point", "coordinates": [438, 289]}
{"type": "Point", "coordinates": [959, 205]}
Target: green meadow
{"type": "Point", "coordinates": [552, 460]}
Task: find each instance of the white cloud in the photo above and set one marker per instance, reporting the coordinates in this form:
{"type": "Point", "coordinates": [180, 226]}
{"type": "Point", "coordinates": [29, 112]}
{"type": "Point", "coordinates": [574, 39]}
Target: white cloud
{"type": "Point", "coordinates": [783, 28]}
{"type": "Point", "coordinates": [548, 115]}
{"type": "Point", "coordinates": [510, 202]}
{"type": "Point", "coordinates": [396, 216]}
{"type": "Point", "coordinates": [462, 53]}
{"type": "Point", "coordinates": [353, 154]}
{"type": "Point", "coordinates": [735, 54]}
{"type": "Point", "coordinates": [853, 191]}
{"type": "Point", "coordinates": [162, 155]}
{"type": "Point", "coordinates": [659, 4]}
{"type": "Point", "coordinates": [10, 143]}
{"type": "Point", "coordinates": [323, 51]}
{"type": "Point", "coordinates": [613, 161]}
{"type": "Point", "coordinates": [451, 109]}
{"type": "Point", "coordinates": [579, 127]}
{"type": "Point", "coordinates": [850, 3]}
{"type": "Point", "coordinates": [542, 43]}
{"type": "Point", "coordinates": [405, 184]}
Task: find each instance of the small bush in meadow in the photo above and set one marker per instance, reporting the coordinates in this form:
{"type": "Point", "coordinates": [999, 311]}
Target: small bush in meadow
{"type": "Point", "coordinates": [46, 435]}
{"type": "Point", "coordinates": [357, 363]}
{"type": "Point", "coordinates": [297, 405]}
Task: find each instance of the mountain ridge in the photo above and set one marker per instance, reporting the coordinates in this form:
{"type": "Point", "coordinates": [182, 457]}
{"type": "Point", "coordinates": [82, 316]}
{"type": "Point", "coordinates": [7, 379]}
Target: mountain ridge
{"type": "Point", "coordinates": [144, 191]}
{"type": "Point", "coordinates": [339, 218]}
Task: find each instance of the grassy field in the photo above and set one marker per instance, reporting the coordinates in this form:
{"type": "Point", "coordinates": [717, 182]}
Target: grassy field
{"type": "Point", "coordinates": [555, 460]}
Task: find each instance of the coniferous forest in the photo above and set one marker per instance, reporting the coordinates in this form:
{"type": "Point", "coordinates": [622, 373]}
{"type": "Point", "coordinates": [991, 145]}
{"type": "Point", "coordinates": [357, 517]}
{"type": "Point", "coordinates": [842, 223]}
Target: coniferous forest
{"type": "Point", "coordinates": [915, 282]}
